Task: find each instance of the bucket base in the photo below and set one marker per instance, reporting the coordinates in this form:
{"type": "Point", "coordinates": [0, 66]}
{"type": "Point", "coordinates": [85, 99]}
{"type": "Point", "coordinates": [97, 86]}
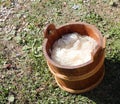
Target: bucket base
{"type": "Point", "coordinates": [82, 90]}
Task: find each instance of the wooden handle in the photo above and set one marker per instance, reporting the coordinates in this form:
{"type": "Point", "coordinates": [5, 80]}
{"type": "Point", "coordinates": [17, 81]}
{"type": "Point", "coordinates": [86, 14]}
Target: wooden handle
{"type": "Point", "coordinates": [50, 30]}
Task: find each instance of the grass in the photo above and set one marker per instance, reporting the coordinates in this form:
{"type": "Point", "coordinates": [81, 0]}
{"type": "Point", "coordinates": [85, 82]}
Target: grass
{"type": "Point", "coordinates": [24, 75]}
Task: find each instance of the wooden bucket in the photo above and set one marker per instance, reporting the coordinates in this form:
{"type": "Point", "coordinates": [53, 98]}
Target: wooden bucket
{"type": "Point", "coordinates": [80, 78]}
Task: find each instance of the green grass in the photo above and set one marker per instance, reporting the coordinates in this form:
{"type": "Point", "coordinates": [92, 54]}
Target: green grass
{"type": "Point", "coordinates": [32, 82]}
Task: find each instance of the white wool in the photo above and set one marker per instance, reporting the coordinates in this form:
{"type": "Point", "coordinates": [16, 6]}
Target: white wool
{"type": "Point", "coordinates": [73, 49]}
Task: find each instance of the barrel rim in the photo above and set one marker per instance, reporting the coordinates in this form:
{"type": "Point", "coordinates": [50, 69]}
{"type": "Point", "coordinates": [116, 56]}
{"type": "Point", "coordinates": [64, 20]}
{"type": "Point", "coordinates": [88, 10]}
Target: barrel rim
{"type": "Point", "coordinates": [97, 49]}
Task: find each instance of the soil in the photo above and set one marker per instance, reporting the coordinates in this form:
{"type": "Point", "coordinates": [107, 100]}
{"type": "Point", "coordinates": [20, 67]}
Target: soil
{"type": "Point", "coordinates": [107, 10]}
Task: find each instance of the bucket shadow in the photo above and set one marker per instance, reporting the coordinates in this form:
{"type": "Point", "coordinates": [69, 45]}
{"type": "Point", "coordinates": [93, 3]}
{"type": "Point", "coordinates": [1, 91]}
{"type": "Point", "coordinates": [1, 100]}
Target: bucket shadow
{"type": "Point", "coordinates": [108, 92]}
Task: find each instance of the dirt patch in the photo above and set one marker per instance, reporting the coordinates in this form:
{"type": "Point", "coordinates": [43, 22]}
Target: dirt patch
{"type": "Point", "coordinates": [107, 10]}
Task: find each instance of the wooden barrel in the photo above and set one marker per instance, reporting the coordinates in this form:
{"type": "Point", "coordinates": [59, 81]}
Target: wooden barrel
{"type": "Point", "coordinates": [80, 78]}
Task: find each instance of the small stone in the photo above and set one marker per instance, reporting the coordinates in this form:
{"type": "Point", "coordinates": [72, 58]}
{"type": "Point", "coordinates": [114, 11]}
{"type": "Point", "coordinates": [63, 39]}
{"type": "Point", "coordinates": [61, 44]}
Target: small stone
{"type": "Point", "coordinates": [11, 98]}
{"type": "Point", "coordinates": [2, 76]}
{"type": "Point", "coordinates": [64, 4]}
{"type": "Point", "coordinates": [75, 7]}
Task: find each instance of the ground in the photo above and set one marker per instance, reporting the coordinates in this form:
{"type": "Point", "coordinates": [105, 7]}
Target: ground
{"type": "Point", "coordinates": [24, 75]}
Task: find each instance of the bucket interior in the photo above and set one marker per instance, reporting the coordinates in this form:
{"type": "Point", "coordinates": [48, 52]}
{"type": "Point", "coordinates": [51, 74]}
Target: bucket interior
{"type": "Point", "coordinates": [82, 29]}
